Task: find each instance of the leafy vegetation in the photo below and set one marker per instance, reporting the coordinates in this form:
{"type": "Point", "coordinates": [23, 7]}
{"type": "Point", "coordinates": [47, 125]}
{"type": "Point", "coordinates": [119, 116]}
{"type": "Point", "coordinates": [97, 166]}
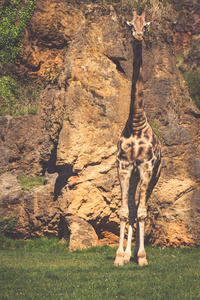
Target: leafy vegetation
{"type": "Point", "coordinates": [28, 182]}
{"type": "Point", "coordinates": [44, 269]}
{"type": "Point", "coordinates": [155, 126]}
{"type": "Point", "coordinates": [13, 19]}
{"type": "Point", "coordinates": [193, 80]}
{"type": "Point", "coordinates": [7, 224]}
{"type": "Point", "coordinates": [17, 98]}
{"type": "Point", "coordinates": [191, 76]}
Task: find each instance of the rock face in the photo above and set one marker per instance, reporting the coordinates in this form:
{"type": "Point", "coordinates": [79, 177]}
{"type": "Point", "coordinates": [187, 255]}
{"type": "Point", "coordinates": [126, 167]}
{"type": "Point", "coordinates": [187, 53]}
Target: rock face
{"type": "Point", "coordinates": [21, 139]}
{"type": "Point", "coordinates": [50, 30]}
{"type": "Point", "coordinates": [82, 115]}
{"type": "Point", "coordinates": [186, 27]}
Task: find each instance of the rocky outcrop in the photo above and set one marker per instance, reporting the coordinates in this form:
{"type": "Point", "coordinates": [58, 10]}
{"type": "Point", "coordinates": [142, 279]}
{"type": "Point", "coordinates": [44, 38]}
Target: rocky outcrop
{"type": "Point", "coordinates": [49, 32]}
{"type": "Point", "coordinates": [39, 214]}
{"type": "Point", "coordinates": [11, 190]}
{"type": "Point", "coordinates": [82, 234]}
{"type": "Point", "coordinates": [21, 139]}
{"type": "Point", "coordinates": [82, 114]}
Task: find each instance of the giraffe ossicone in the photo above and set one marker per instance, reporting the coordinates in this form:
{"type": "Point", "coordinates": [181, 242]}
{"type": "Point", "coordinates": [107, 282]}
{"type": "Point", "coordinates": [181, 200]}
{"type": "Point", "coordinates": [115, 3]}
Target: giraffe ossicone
{"type": "Point", "coordinates": [138, 156]}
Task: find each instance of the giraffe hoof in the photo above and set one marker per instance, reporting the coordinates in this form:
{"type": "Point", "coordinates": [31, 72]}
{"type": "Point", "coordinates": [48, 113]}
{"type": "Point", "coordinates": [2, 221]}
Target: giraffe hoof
{"type": "Point", "coordinates": [119, 261]}
{"type": "Point", "coordinates": [126, 257]}
{"type": "Point", "coordinates": [142, 261]}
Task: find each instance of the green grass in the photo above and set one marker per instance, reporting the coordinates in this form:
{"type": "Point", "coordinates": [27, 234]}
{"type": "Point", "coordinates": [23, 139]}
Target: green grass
{"type": "Point", "coordinates": [28, 182]}
{"type": "Point", "coordinates": [44, 269]}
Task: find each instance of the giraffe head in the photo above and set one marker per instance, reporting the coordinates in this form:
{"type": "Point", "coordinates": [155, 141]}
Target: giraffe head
{"type": "Point", "coordinates": [138, 25]}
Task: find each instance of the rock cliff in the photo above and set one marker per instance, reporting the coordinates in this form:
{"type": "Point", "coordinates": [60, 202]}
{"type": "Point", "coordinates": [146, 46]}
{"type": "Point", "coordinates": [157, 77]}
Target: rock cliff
{"type": "Point", "coordinates": [82, 111]}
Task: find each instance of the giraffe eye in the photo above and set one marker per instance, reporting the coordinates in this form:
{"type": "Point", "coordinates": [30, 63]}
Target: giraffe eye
{"type": "Point", "coordinates": [133, 27]}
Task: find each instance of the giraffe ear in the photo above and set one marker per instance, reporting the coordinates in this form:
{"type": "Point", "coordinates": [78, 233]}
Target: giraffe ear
{"type": "Point", "coordinates": [143, 15]}
{"type": "Point", "coordinates": [134, 14]}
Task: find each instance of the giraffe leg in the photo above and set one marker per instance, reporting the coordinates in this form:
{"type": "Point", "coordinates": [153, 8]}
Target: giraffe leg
{"type": "Point", "coordinates": [132, 214]}
{"type": "Point", "coordinates": [141, 216]}
{"type": "Point", "coordinates": [119, 259]}
{"type": "Point", "coordinates": [127, 253]}
{"type": "Point", "coordinates": [141, 251]}
{"type": "Point", "coordinates": [124, 178]}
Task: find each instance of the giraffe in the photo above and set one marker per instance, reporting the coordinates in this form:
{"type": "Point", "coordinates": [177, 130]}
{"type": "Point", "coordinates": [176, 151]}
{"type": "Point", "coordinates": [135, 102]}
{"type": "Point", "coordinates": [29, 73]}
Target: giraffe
{"type": "Point", "coordinates": [138, 157]}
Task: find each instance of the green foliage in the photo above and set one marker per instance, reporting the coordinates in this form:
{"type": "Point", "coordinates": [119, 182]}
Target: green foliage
{"type": "Point", "coordinates": [193, 80]}
{"type": "Point", "coordinates": [7, 224]}
{"type": "Point", "coordinates": [16, 98]}
{"type": "Point", "coordinates": [44, 269]}
{"type": "Point", "coordinates": [156, 130]}
{"type": "Point", "coordinates": [9, 94]}
{"type": "Point", "coordinates": [28, 182]}
{"type": "Point", "coordinates": [13, 19]}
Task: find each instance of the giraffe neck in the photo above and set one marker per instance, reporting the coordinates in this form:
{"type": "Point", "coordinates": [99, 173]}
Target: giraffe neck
{"type": "Point", "coordinates": [137, 118]}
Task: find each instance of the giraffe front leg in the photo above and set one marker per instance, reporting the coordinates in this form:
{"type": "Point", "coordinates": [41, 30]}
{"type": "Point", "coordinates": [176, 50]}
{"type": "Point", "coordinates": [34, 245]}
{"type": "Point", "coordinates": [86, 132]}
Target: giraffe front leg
{"type": "Point", "coordinates": [124, 178]}
{"type": "Point", "coordinates": [124, 257]}
{"type": "Point", "coordinates": [140, 253]}
{"type": "Point", "coordinates": [123, 214]}
{"type": "Point", "coordinates": [132, 214]}
{"type": "Point", "coordinates": [127, 253]}
{"type": "Point", "coordinates": [119, 259]}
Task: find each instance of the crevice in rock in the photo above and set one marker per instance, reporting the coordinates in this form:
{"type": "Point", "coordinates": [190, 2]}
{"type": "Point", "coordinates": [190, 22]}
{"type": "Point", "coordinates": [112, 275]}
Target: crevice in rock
{"type": "Point", "coordinates": [116, 61]}
{"type": "Point", "coordinates": [104, 226]}
{"type": "Point", "coordinates": [96, 95]}
{"type": "Point", "coordinates": [63, 231]}
{"type": "Point", "coordinates": [190, 189]}
{"type": "Point", "coordinates": [50, 165]}
{"type": "Point", "coordinates": [65, 172]}
{"type": "Point", "coordinates": [92, 164]}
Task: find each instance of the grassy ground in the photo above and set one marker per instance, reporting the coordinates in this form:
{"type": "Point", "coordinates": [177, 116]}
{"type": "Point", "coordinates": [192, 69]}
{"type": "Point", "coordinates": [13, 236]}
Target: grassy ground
{"type": "Point", "coordinates": [28, 182]}
{"type": "Point", "coordinates": [44, 269]}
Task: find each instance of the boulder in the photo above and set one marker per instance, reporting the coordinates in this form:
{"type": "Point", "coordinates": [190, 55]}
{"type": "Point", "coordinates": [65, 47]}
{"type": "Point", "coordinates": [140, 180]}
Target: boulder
{"type": "Point", "coordinates": [42, 215]}
{"type": "Point", "coordinates": [82, 234]}
{"type": "Point", "coordinates": [10, 190]}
